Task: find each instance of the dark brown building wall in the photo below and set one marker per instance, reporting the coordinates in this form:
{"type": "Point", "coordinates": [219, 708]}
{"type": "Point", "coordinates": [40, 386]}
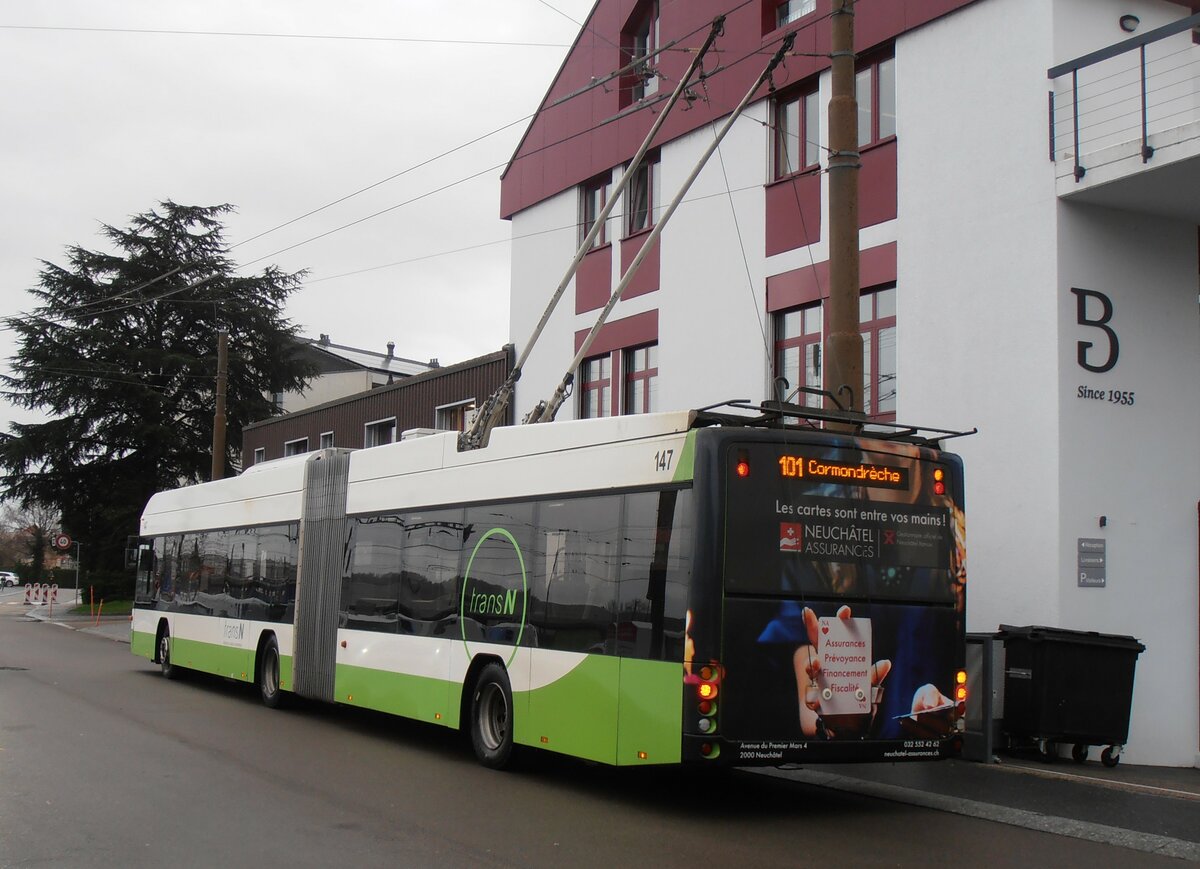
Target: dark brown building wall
{"type": "Point", "coordinates": [413, 402]}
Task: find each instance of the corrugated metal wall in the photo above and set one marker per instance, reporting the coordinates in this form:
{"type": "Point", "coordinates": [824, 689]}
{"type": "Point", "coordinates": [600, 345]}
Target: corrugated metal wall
{"type": "Point", "coordinates": [412, 401]}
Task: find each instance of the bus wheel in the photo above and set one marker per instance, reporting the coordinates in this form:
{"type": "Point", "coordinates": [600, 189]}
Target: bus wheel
{"type": "Point", "coordinates": [491, 717]}
{"type": "Point", "coordinates": [164, 654]}
{"type": "Point", "coordinates": [267, 675]}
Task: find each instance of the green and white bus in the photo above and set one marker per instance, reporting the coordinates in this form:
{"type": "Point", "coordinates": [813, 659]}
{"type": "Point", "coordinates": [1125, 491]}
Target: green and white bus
{"type": "Point", "coordinates": [695, 587]}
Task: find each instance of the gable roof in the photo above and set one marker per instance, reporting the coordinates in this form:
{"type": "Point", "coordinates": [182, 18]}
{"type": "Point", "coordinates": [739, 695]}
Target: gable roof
{"type": "Point", "coordinates": [330, 357]}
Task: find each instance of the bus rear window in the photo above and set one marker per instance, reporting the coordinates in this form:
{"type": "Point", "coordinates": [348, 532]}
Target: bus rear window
{"type": "Point", "coordinates": [840, 521]}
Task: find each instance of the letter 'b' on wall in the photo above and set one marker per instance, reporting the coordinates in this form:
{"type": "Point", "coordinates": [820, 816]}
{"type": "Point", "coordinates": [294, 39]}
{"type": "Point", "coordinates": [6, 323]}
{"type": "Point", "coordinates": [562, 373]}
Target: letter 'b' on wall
{"type": "Point", "coordinates": [1081, 317]}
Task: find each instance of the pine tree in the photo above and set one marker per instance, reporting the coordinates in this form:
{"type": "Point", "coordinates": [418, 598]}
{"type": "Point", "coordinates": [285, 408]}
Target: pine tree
{"type": "Point", "coordinates": [120, 353]}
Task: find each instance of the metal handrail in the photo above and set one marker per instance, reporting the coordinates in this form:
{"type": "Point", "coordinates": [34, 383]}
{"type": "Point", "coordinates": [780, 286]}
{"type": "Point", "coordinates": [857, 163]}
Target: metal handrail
{"type": "Point", "coordinates": [1192, 22]}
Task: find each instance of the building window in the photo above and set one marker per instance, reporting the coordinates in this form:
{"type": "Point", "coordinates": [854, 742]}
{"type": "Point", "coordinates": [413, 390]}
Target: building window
{"type": "Point", "coordinates": [379, 432]}
{"type": "Point", "coordinates": [793, 10]}
{"type": "Point", "coordinates": [591, 203]}
{"type": "Point", "coordinates": [596, 393]}
{"type": "Point", "coordinates": [642, 196]}
{"type": "Point", "coordinates": [277, 401]}
{"type": "Point", "coordinates": [641, 41]}
{"type": "Point", "coordinates": [797, 133]}
{"type": "Point", "coordinates": [641, 379]}
{"type": "Point", "coordinates": [326, 440]}
{"type": "Point", "coordinates": [877, 319]}
{"type": "Point", "coordinates": [875, 91]}
{"type": "Point", "coordinates": [798, 352]}
{"type": "Point", "coordinates": [455, 417]}
{"type": "Point", "coordinates": [296, 447]}
{"type": "Point", "coordinates": [260, 455]}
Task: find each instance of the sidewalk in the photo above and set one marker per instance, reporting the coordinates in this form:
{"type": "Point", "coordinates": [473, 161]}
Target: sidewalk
{"type": "Point", "coordinates": [1145, 808]}
{"type": "Point", "coordinates": [111, 627]}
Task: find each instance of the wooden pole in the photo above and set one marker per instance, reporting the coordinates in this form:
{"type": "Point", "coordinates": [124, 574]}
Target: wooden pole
{"type": "Point", "coordinates": [843, 370]}
{"type": "Point", "coordinates": [218, 448]}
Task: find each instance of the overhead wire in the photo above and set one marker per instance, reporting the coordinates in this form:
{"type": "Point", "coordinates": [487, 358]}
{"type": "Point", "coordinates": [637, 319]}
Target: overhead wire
{"type": "Point", "coordinates": [507, 240]}
{"type": "Point", "coordinates": [641, 107]}
{"type": "Point", "coordinates": [269, 35]}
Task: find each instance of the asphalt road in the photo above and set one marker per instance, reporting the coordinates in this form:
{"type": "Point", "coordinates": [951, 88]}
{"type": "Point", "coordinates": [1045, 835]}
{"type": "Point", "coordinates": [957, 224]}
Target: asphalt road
{"type": "Point", "coordinates": [104, 763]}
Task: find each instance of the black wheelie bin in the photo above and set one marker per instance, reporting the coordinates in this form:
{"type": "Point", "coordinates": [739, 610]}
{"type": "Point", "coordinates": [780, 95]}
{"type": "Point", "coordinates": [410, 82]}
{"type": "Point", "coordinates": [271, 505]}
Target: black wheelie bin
{"type": "Point", "coordinates": [1072, 687]}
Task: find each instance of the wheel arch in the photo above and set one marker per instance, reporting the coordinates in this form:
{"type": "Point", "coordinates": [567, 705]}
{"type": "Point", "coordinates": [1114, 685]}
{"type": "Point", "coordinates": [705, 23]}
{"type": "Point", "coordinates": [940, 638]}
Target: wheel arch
{"type": "Point", "coordinates": [164, 626]}
{"type": "Point", "coordinates": [468, 686]}
{"type": "Point", "coordinates": [266, 635]}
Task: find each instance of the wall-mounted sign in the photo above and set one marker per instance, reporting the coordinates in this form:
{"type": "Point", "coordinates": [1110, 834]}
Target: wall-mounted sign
{"type": "Point", "coordinates": [1089, 359]}
{"type": "Point", "coordinates": [1094, 310]}
{"type": "Point", "coordinates": [1092, 562]}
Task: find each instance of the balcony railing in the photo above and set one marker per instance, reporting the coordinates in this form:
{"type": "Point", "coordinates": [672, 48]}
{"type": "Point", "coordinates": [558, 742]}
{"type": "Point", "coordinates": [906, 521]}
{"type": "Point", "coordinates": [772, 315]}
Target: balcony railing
{"type": "Point", "coordinates": [1129, 91]}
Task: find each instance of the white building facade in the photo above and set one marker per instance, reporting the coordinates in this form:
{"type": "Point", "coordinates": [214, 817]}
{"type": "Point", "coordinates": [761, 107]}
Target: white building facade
{"type": "Point", "coordinates": [1042, 291]}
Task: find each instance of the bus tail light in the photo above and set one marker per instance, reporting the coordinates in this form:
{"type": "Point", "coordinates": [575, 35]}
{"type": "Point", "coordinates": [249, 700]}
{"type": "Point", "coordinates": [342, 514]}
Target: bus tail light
{"type": "Point", "coordinates": [707, 689]}
{"type": "Point", "coordinates": [742, 468]}
{"type": "Point", "coordinates": [960, 686]}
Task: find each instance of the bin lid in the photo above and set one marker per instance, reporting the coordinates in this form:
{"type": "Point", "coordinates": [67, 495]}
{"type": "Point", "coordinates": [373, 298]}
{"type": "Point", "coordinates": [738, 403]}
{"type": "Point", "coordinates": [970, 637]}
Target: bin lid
{"type": "Point", "coordinates": [1040, 633]}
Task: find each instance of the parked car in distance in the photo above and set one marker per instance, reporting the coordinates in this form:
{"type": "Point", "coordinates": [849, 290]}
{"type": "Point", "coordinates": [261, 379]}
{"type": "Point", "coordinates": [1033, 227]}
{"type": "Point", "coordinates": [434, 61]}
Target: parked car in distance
{"type": "Point", "coordinates": [7, 578]}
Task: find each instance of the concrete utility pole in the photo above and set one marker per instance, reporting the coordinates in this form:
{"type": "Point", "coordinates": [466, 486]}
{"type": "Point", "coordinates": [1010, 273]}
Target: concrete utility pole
{"type": "Point", "coordinates": [843, 342]}
{"type": "Point", "coordinates": [218, 448]}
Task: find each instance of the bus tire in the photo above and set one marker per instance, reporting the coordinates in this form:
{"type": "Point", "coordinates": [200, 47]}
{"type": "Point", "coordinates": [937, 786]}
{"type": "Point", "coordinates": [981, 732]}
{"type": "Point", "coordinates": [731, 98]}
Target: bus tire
{"type": "Point", "coordinates": [267, 675]}
{"type": "Point", "coordinates": [491, 717]}
{"type": "Point", "coordinates": [169, 670]}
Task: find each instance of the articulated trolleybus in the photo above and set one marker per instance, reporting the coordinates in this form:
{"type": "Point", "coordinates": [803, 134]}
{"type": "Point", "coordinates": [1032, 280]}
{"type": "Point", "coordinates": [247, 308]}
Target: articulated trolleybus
{"type": "Point", "coordinates": [701, 587]}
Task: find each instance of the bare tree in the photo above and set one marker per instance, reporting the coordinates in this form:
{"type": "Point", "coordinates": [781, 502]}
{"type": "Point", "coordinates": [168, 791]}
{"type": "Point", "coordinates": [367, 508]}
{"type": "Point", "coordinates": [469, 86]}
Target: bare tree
{"type": "Point", "coordinates": [28, 533]}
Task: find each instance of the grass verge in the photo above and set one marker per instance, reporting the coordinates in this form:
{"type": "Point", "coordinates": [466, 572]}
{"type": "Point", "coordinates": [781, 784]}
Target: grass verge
{"type": "Point", "coordinates": [111, 608]}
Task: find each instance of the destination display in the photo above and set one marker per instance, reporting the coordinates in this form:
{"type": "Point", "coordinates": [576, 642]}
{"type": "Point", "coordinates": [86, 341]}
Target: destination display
{"type": "Point", "coordinates": [880, 476]}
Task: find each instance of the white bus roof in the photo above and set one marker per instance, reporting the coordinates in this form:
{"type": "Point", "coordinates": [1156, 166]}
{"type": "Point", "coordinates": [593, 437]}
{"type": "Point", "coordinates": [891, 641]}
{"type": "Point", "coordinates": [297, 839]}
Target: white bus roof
{"type": "Point", "coordinates": [272, 492]}
{"type": "Point", "coordinates": [266, 494]}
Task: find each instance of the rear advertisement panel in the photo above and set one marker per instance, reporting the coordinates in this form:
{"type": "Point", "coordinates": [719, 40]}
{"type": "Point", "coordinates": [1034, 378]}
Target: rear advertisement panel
{"type": "Point", "coordinates": [844, 583]}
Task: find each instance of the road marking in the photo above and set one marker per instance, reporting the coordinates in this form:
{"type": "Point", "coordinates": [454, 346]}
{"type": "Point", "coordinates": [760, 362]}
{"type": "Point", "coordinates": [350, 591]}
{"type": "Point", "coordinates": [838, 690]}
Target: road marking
{"type": "Point", "coordinates": [1100, 833]}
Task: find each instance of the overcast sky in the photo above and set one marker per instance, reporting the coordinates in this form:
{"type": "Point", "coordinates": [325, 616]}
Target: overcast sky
{"type": "Point", "coordinates": [100, 125]}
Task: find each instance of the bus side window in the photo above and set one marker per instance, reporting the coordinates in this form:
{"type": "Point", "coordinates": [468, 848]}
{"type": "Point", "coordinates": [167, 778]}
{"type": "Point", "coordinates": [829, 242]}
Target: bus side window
{"type": "Point", "coordinates": [575, 587]}
{"type": "Point", "coordinates": [430, 583]}
{"type": "Point", "coordinates": [655, 572]}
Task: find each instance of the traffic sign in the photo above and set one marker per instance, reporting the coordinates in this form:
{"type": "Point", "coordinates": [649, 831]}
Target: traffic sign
{"type": "Point", "coordinates": [62, 541]}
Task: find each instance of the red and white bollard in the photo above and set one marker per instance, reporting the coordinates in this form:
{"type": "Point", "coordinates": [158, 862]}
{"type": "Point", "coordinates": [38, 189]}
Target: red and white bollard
{"type": "Point", "coordinates": [28, 594]}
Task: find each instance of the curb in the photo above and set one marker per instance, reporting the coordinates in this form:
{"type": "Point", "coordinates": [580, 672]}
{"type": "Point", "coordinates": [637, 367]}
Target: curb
{"type": "Point", "coordinates": [83, 624]}
{"type": "Point", "coordinates": [1149, 843]}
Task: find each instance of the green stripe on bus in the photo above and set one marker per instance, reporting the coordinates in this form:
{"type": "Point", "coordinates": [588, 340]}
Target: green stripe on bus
{"type": "Point", "coordinates": [576, 714]}
{"type": "Point", "coordinates": [418, 697]}
{"type": "Point", "coordinates": [685, 467]}
{"type": "Point", "coordinates": [622, 711]}
{"type": "Point", "coordinates": [142, 643]}
{"type": "Point", "coordinates": [650, 716]}
{"type": "Point", "coordinates": [226, 661]}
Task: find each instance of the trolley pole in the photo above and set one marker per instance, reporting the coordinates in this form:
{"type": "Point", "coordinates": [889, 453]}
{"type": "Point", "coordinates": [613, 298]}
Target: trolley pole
{"type": "Point", "coordinates": [218, 448]}
{"type": "Point", "coordinates": [843, 374]}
